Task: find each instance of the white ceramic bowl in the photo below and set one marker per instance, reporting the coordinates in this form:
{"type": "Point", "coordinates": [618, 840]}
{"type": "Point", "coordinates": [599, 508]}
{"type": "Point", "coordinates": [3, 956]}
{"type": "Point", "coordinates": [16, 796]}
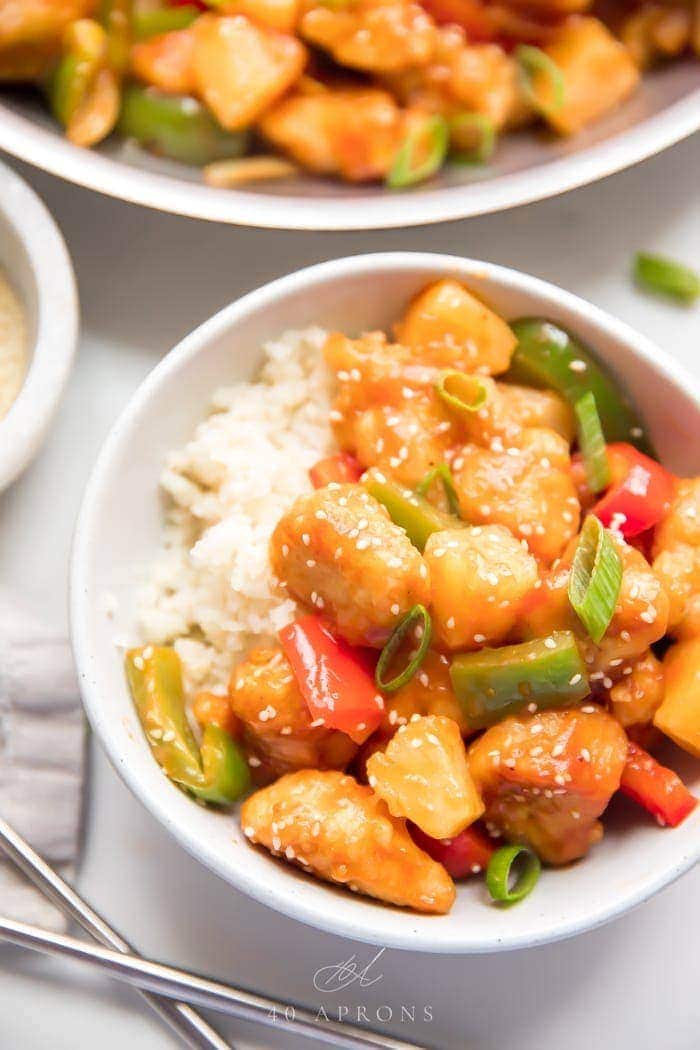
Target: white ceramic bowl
{"type": "Point", "coordinates": [119, 529]}
{"type": "Point", "coordinates": [34, 258]}
{"type": "Point", "coordinates": [528, 167]}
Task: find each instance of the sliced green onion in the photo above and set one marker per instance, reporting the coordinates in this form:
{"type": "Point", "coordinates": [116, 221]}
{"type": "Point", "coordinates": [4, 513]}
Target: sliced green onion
{"type": "Point", "coordinates": [462, 393]}
{"type": "Point", "coordinates": [442, 473]}
{"type": "Point", "coordinates": [419, 518]}
{"type": "Point", "coordinates": [498, 873]}
{"type": "Point", "coordinates": [406, 171]}
{"type": "Point", "coordinates": [664, 276]}
{"type": "Point", "coordinates": [591, 442]}
{"type": "Point", "coordinates": [417, 617]}
{"type": "Point", "coordinates": [472, 137]}
{"type": "Point", "coordinates": [533, 62]}
{"type": "Point", "coordinates": [595, 579]}
{"type": "Point", "coordinates": [493, 684]}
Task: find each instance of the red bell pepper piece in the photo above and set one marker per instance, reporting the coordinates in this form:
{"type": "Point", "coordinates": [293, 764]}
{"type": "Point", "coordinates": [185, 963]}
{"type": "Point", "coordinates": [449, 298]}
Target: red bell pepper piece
{"type": "Point", "coordinates": [335, 680]}
{"type": "Point", "coordinates": [640, 494]}
{"type": "Point", "coordinates": [190, 3]}
{"type": "Point", "coordinates": [658, 789]}
{"type": "Point", "coordinates": [341, 468]}
{"type": "Point", "coordinates": [466, 854]}
{"type": "Point", "coordinates": [472, 15]}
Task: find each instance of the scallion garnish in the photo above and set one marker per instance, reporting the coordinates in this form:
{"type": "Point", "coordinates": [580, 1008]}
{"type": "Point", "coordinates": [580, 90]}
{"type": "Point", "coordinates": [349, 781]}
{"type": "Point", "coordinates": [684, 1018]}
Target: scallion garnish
{"type": "Point", "coordinates": [440, 473]}
{"type": "Point", "coordinates": [533, 63]}
{"type": "Point", "coordinates": [462, 393]}
{"type": "Point", "coordinates": [591, 442]}
{"type": "Point", "coordinates": [418, 618]}
{"type": "Point", "coordinates": [430, 140]}
{"type": "Point", "coordinates": [498, 873]}
{"type": "Point", "coordinates": [666, 277]}
{"type": "Point", "coordinates": [472, 138]}
{"type": "Point", "coordinates": [595, 579]}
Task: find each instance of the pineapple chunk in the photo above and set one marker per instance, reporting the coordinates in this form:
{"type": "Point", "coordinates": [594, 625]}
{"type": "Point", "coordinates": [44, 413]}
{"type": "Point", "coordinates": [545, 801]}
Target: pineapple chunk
{"type": "Point", "coordinates": [454, 329]}
{"type": "Point", "coordinates": [598, 74]}
{"type": "Point", "coordinates": [240, 69]}
{"type": "Point", "coordinates": [479, 577]}
{"type": "Point", "coordinates": [679, 714]}
{"type": "Point", "coordinates": [423, 775]}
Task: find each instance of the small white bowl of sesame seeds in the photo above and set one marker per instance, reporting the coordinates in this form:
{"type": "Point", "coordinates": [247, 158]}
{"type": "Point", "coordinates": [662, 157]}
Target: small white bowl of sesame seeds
{"type": "Point", "coordinates": [119, 532]}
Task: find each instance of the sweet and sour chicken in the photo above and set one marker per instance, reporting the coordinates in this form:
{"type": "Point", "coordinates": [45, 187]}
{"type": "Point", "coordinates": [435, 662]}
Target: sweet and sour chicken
{"type": "Point", "coordinates": [361, 90]}
{"type": "Point", "coordinates": [480, 589]}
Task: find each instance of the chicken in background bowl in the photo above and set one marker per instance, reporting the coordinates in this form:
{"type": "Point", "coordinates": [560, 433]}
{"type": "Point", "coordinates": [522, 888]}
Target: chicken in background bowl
{"type": "Point", "coordinates": [361, 90]}
{"type": "Point", "coordinates": [413, 592]}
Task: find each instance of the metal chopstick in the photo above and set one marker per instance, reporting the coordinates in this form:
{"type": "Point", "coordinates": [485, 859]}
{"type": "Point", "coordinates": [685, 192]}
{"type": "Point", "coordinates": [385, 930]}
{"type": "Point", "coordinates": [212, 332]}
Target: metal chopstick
{"type": "Point", "coordinates": [195, 1032]}
{"type": "Point", "coordinates": [176, 984]}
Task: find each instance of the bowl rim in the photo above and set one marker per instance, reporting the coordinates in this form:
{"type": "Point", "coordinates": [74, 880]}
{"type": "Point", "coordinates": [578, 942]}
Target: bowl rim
{"type": "Point", "coordinates": [56, 330]}
{"type": "Point", "coordinates": [403, 935]}
{"type": "Point", "coordinates": [44, 148]}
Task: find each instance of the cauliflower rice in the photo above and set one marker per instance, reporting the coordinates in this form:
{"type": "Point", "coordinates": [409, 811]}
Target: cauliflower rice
{"type": "Point", "coordinates": [212, 592]}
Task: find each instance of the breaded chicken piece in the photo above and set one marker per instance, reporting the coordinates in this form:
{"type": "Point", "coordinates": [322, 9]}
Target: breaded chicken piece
{"type": "Point", "coordinates": [464, 77]}
{"type": "Point", "coordinates": [677, 559]}
{"type": "Point", "coordinates": [545, 779]}
{"type": "Point", "coordinates": [278, 728]}
{"type": "Point", "coordinates": [338, 550]}
{"type": "Point", "coordinates": [39, 21]}
{"type": "Point", "coordinates": [353, 132]}
{"type": "Point", "coordinates": [339, 830]}
{"type": "Point", "coordinates": [527, 488]}
{"type": "Point", "coordinates": [428, 692]}
{"type": "Point", "coordinates": [479, 577]}
{"type": "Point", "coordinates": [404, 441]}
{"type": "Point", "coordinates": [378, 36]}
{"type": "Point", "coordinates": [640, 617]}
{"type": "Point", "coordinates": [386, 411]}
{"type": "Point", "coordinates": [510, 411]}
{"type": "Point", "coordinates": [636, 697]}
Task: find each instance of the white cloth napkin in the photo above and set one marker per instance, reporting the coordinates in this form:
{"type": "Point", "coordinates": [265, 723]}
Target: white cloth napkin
{"type": "Point", "coordinates": [41, 755]}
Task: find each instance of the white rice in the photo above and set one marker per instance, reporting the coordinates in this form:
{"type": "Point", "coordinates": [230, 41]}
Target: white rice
{"type": "Point", "coordinates": [212, 593]}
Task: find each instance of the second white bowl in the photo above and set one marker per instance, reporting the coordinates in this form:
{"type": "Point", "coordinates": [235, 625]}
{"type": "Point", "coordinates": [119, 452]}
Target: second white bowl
{"type": "Point", "coordinates": [119, 531]}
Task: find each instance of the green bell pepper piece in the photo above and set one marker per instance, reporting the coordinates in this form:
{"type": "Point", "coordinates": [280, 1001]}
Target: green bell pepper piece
{"type": "Point", "coordinates": [219, 772]}
{"type": "Point", "coordinates": [412, 512]}
{"type": "Point", "coordinates": [548, 356]}
{"type": "Point", "coordinates": [492, 684]}
{"type": "Point", "coordinates": [177, 126]}
{"type": "Point", "coordinates": [152, 21]}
